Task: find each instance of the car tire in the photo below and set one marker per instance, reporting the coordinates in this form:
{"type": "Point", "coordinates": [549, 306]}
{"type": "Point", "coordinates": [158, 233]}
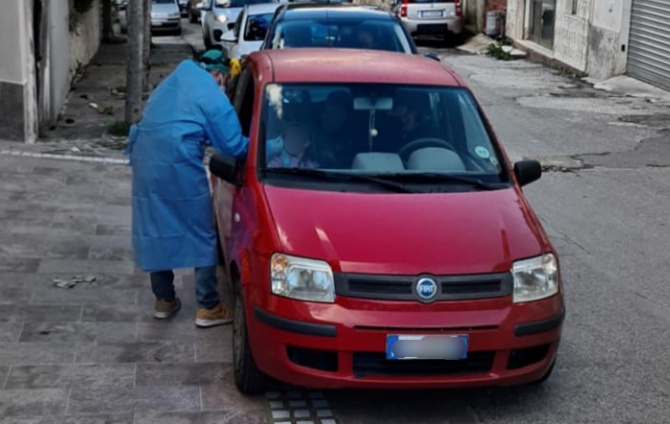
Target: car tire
{"type": "Point", "coordinates": [248, 378]}
{"type": "Point", "coordinates": [205, 38]}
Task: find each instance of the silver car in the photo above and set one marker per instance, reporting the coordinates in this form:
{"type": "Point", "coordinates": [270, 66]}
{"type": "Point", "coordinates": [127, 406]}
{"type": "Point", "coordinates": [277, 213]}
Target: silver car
{"type": "Point", "coordinates": [431, 18]}
{"type": "Point", "coordinates": [219, 16]}
{"type": "Point", "coordinates": [165, 16]}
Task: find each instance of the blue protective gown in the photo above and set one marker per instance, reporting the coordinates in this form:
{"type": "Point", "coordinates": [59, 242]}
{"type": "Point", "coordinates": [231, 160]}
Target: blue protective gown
{"type": "Point", "coordinates": [173, 224]}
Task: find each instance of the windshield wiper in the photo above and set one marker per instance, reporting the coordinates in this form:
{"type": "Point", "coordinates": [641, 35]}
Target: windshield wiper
{"type": "Point", "coordinates": [333, 175]}
{"type": "Point", "coordinates": [438, 177]}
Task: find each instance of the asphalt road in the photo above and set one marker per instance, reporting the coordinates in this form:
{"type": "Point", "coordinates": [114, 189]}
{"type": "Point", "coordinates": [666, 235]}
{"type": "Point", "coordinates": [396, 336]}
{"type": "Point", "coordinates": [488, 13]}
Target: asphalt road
{"type": "Point", "coordinates": [606, 210]}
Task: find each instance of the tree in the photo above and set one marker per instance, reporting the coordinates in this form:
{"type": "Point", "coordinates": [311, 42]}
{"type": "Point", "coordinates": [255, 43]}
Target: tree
{"type": "Point", "coordinates": [134, 74]}
{"type": "Point", "coordinates": [146, 50]}
{"type": "Point", "coordinates": [107, 22]}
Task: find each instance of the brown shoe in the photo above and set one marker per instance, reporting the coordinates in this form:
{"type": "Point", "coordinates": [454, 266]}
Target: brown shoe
{"type": "Point", "coordinates": [218, 315]}
{"type": "Point", "coordinates": [166, 308]}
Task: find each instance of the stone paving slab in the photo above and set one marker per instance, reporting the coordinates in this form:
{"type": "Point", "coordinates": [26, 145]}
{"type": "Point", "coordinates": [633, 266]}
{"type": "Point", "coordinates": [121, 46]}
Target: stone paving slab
{"type": "Point", "coordinates": [93, 353]}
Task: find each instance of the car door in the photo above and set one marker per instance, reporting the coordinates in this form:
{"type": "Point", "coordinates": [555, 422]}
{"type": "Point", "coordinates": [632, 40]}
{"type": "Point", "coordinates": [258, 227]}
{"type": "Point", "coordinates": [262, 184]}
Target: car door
{"type": "Point", "coordinates": [231, 218]}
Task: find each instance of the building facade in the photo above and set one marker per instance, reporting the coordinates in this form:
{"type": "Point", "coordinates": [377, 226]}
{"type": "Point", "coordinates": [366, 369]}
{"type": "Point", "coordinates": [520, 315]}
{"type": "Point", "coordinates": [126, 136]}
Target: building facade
{"type": "Point", "coordinates": [603, 38]}
{"type": "Point", "coordinates": [42, 43]}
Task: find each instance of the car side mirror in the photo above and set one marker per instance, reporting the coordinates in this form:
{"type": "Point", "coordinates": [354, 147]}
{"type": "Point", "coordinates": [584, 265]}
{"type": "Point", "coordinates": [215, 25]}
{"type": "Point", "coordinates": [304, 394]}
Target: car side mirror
{"type": "Point", "coordinates": [527, 171]}
{"type": "Point", "coordinates": [432, 56]}
{"type": "Point", "coordinates": [227, 168]}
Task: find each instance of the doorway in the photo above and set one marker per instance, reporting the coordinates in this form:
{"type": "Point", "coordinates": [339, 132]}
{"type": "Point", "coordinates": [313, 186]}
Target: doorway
{"type": "Point", "coordinates": [542, 22]}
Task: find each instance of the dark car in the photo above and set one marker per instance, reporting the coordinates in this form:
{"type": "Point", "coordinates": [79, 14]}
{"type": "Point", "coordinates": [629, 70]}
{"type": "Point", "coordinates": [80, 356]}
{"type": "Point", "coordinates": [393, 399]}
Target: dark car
{"type": "Point", "coordinates": [337, 25]}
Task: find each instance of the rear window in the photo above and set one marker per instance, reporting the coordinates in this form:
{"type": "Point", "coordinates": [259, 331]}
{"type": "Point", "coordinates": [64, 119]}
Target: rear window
{"type": "Point", "coordinates": [351, 33]}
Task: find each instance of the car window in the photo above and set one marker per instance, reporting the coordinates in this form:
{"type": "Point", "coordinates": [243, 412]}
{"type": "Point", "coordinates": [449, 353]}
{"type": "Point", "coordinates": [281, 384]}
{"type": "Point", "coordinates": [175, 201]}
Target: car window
{"type": "Point", "coordinates": [243, 100]}
{"type": "Point", "coordinates": [352, 33]}
{"type": "Point", "coordinates": [164, 2]}
{"type": "Point", "coordinates": [257, 27]}
{"type": "Point", "coordinates": [376, 129]}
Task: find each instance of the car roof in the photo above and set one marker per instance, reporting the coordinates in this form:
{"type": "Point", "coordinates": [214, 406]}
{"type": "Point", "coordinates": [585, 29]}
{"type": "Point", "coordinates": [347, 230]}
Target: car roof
{"type": "Point", "coordinates": [335, 11]}
{"type": "Point", "coordinates": [253, 9]}
{"type": "Point", "coordinates": [352, 65]}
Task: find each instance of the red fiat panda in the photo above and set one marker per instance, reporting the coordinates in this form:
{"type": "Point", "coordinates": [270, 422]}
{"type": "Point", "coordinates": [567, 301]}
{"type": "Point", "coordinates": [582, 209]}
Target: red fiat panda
{"type": "Point", "coordinates": [377, 235]}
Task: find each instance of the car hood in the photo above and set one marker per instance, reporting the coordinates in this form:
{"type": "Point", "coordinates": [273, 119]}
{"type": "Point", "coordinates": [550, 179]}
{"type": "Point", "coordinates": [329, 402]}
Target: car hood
{"type": "Point", "coordinates": [437, 233]}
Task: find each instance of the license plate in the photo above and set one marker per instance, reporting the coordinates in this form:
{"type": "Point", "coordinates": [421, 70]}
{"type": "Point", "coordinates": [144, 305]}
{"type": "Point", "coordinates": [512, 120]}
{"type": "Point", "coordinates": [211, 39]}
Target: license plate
{"type": "Point", "coordinates": [431, 14]}
{"type": "Point", "coordinates": [406, 347]}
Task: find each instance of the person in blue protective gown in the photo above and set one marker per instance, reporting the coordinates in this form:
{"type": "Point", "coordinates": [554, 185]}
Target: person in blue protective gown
{"type": "Point", "coordinates": [172, 215]}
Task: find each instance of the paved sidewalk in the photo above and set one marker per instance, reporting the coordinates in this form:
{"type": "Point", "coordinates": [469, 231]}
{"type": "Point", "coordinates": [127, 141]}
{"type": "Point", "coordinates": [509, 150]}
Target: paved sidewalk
{"type": "Point", "coordinates": [93, 353]}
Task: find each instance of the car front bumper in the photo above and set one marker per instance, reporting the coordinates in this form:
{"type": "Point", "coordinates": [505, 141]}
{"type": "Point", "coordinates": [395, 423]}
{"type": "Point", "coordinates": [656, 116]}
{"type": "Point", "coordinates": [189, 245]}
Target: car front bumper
{"type": "Point", "coordinates": [433, 27]}
{"type": "Point", "coordinates": [165, 24]}
{"type": "Point", "coordinates": [342, 345]}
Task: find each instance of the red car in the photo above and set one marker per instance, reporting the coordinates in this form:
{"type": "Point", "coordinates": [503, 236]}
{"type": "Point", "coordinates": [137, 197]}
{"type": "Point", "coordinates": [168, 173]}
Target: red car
{"type": "Point", "coordinates": [377, 235]}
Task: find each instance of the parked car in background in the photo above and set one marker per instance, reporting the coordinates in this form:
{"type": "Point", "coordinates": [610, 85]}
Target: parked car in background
{"type": "Point", "coordinates": [219, 16]}
{"type": "Point", "coordinates": [249, 31]}
{"type": "Point", "coordinates": [315, 24]}
{"type": "Point", "coordinates": [121, 4]}
{"type": "Point", "coordinates": [441, 19]}
{"type": "Point", "coordinates": [377, 234]}
{"type": "Point", "coordinates": [183, 7]}
{"type": "Point", "coordinates": [165, 17]}
{"type": "Point", "coordinates": [194, 12]}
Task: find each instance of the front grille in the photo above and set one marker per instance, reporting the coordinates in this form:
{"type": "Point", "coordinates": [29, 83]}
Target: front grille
{"type": "Point", "coordinates": [368, 364]}
{"type": "Point", "coordinates": [520, 358]}
{"type": "Point", "coordinates": [323, 360]}
{"type": "Point", "coordinates": [391, 287]}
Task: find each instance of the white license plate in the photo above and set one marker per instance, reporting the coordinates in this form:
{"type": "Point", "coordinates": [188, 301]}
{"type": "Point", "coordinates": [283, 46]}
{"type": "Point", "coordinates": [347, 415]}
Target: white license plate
{"type": "Point", "coordinates": [446, 347]}
{"type": "Point", "coordinates": [432, 13]}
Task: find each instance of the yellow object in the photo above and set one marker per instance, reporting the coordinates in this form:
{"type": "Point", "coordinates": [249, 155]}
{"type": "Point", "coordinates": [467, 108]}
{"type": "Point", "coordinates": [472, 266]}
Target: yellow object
{"type": "Point", "coordinates": [235, 67]}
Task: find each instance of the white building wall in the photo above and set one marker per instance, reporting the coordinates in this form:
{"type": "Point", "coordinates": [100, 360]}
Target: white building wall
{"type": "Point", "coordinates": [593, 39]}
{"type": "Point", "coordinates": [609, 31]}
{"type": "Point", "coordinates": [12, 26]}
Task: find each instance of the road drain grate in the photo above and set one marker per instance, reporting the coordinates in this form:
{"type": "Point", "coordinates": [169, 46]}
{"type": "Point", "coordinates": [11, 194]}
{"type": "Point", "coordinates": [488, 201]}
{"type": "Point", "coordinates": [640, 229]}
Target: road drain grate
{"type": "Point", "coordinates": [299, 407]}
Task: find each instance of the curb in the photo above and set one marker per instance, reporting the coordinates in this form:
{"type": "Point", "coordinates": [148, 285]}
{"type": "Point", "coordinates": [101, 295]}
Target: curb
{"type": "Point", "coordinates": [106, 161]}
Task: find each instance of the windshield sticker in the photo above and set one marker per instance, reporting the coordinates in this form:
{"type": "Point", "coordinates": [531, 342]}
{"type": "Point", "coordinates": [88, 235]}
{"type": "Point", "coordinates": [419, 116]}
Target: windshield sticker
{"type": "Point", "coordinates": [494, 161]}
{"type": "Point", "coordinates": [482, 152]}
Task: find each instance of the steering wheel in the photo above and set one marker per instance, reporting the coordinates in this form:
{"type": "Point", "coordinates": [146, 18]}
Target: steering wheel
{"type": "Point", "coordinates": [424, 142]}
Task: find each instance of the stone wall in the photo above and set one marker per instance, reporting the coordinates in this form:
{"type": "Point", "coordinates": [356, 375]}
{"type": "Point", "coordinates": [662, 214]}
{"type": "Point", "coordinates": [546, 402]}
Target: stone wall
{"type": "Point", "coordinates": [571, 34]}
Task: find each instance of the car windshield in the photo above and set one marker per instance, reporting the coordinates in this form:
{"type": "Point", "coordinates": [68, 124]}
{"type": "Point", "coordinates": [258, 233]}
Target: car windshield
{"type": "Point", "coordinates": [257, 27]}
{"type": "Point", "coordinates": [355, 33]}
{"type": "Point", "coordinates": [238, 3]}
{"type": "Point", "coordinates": [377, 129]}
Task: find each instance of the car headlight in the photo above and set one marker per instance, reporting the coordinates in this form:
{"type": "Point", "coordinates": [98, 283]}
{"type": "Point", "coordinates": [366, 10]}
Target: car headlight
{"type": "Point", "coordinates": [222, 19]}
{"type": "Point", "coordinates": [535, 278]}
{"type": "Point", "coordinates": [301, 278]}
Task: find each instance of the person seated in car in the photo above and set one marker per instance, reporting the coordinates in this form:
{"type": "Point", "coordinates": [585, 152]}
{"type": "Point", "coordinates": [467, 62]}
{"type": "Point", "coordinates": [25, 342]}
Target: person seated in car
{"type": "Point", "coordinates": [409, 121]}
{"type": "Point", "coordinates": [295, 152]}
{"type": "Point", "coordinates": [337, 127]}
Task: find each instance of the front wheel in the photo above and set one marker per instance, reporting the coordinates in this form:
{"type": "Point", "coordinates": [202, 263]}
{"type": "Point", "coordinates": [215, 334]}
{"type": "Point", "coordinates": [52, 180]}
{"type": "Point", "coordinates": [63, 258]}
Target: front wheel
{"type": "Point", "coordinates": [248, 378]}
